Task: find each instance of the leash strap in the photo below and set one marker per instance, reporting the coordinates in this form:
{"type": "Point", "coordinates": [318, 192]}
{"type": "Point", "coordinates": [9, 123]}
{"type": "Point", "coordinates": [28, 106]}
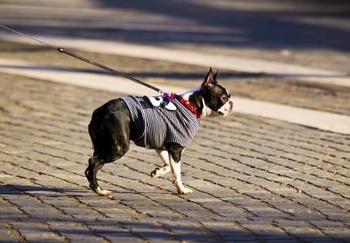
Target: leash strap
{"type": "Point", "coordinates": [108, 69]}
{"type": "Point", "coordinates": [170, 96]}
{"type": "Point", "coordinates": [72, 54]}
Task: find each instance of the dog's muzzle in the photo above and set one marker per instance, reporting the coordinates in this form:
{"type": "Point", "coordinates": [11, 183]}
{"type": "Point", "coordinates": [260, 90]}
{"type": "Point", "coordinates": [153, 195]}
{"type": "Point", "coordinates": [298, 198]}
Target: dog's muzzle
{"type": "Point", "coordinates": [226, 109]}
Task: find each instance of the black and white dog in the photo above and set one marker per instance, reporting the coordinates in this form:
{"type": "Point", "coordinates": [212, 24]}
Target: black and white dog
{"type": "Point", "coordinates": [166, 124]}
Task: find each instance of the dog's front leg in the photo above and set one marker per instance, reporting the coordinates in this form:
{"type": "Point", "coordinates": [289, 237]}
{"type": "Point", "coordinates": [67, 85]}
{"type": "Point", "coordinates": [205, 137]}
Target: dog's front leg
{"type": "Point", "coordinates": [176, 170]}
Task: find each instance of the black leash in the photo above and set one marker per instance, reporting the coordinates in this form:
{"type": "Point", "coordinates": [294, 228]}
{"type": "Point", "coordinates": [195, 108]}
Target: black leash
{"type": "Point", "coordinates": [72, 54]}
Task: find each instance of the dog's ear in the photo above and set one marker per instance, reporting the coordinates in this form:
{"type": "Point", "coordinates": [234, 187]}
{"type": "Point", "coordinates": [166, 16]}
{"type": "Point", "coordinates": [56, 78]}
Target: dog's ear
{"type": "Point", "coordinates": [209, 79]}
{"type": "Point", "coordinates": [216, 74]}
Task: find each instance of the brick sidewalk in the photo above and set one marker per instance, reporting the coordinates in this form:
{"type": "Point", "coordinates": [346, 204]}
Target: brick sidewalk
{"type": "Point", "coordinates": [254, 179]}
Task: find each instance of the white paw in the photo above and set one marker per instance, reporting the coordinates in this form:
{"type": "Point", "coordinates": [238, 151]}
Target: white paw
{"type": "Point", "coordinates": [102, 192]}
{"type": "Point", "coordinates": [160, 171]}
{"type": "Point", "coordinates": [184, 191]}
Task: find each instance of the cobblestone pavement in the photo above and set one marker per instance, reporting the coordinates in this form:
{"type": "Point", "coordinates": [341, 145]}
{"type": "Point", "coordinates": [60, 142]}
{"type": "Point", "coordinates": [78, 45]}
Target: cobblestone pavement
{"type": "Point", "coordinates": [253, 179]}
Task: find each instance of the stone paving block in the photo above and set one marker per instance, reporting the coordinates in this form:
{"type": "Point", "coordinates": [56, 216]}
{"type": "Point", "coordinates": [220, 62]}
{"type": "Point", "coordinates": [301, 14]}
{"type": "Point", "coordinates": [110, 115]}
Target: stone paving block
{"type": "Point", "coordinates": [266, 230]}
{"type": "Point", "coordinates": [35, 232]}
{"type": "Point", "coordinates": [116, 234]}
{"type": "Point", "coordinates": [75, 232]}
{"type": "Point", "coordinates": [228, 231]}
{"type": "Point", "coordinates": [7, 234]}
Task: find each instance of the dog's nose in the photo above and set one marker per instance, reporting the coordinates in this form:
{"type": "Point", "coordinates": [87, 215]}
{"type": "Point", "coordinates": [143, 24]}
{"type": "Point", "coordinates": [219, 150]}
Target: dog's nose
{"type": "Point", "coordinates": [231, 106]}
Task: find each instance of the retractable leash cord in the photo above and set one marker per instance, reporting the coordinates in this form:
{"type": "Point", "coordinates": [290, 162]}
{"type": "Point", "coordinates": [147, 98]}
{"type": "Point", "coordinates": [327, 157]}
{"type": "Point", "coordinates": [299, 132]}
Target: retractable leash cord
{"type": "Point", "coordinates": [72, 54]}
{"type": "Point", "coordinates": [168, 97]}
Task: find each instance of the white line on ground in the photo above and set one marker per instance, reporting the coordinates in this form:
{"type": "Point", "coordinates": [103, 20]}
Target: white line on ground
{"type": "Point", "coordinates": [316, 119]}
{"type": "Point", "coordinates": [195, 58]}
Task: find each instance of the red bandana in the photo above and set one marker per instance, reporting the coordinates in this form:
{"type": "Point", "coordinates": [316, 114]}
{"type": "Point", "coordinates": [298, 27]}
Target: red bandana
{"type": "Point", "coordinates": [189, 106]}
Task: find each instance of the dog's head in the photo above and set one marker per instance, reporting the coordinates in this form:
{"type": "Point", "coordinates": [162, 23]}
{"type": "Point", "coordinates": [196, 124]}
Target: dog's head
{"type": "Point", "coordinates": [216, 98]}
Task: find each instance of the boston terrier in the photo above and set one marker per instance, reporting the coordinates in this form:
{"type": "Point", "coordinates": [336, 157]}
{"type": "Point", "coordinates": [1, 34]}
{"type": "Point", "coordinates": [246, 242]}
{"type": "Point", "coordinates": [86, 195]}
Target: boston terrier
{"type": "Point", "coordinates": [166, 124]}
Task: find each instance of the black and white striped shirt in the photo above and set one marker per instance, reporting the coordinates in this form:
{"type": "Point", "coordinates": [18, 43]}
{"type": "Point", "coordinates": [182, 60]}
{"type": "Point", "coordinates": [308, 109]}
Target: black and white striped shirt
{"type": "Point", "coordinates": [157, 126]}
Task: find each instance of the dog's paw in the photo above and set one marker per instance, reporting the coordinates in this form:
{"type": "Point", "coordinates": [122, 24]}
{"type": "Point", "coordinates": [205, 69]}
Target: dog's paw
{"type": "Point", "coordinates": [160, 171]}
{"type": "Point", "coordinates": [104, 193]}
{"type": "Point", "coordinates": [155, 173]}
{"type": "Point", "coordinates": [185, 191]}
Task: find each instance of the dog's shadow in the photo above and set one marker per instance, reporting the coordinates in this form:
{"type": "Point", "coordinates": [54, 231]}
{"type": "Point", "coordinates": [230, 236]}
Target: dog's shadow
{"type": "Point", "coordinates": [17, 189]}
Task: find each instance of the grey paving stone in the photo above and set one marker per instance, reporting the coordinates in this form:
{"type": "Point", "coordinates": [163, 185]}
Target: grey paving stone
{"type": "Point", "coordinates": [7, 234]}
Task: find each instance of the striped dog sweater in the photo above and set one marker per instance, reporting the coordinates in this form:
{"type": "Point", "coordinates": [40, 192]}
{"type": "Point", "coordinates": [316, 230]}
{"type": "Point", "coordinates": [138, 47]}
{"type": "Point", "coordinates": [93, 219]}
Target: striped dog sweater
{"type": "Point", "coordinates": [155, 127]}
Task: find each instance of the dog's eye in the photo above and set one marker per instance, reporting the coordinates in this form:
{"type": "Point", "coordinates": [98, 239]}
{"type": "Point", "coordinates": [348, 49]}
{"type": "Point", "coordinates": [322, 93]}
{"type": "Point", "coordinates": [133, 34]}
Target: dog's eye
{"type": "Point", "coordinates": [224, 99]}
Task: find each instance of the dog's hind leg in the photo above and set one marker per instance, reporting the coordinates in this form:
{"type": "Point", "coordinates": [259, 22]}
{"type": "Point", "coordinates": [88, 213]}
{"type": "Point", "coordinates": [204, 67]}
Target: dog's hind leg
{"type": "Point", "coordinates": [164, 155]}
{"type": "Point", "coordinates": [110, 136]}
{"type": "Point", "coordinates": [95, 164]}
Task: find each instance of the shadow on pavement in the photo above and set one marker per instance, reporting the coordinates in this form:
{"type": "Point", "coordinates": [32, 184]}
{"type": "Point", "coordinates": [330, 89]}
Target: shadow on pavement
{"type": "Point", "coordinates": [117, 229]}
{"type": "Point", "coordinates": [271, 29]}
{"type": "Point", "coordinates": [268, 29]}
{"type": "Point", "coordinates": [17, 189]}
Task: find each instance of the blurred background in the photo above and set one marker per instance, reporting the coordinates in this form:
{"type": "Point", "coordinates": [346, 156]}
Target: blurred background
{"type": "Point", "coordinates": [272, 25]}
